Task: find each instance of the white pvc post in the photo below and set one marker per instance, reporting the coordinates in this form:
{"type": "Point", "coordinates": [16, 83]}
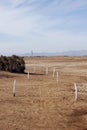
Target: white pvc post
{"type": "Point", "coordinates": [46, 70]}
{"type": "Point", "coordinates": [57, 76]}
{"type": "Point", "coordinates": [76, 92]}
{"type": "Point", "coordinates": [28, 75]}
{"type": "Point", "coordinates": [54, 72]}
{"type": "Point", "coordinates": [14, 88]}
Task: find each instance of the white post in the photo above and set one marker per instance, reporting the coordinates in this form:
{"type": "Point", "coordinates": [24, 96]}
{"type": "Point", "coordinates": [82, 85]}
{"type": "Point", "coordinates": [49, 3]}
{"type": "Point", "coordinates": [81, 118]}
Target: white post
{"type": "Point", "coordinates": [46, 70]}
{"type": "Point", "coordinates": [76, 92]}
{"type": "Point", "coordinates": [57, 76]}
{"type": "Point", "coordinates": [54, 72]}
{"type": "Point", "coordinates": [28, 75]}
{"type": "Point", "coordinates": [14, 88]}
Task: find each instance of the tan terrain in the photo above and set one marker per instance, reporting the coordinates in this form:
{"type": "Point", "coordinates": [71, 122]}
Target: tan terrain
{"type": "Point", "coordinates": [44, 102]}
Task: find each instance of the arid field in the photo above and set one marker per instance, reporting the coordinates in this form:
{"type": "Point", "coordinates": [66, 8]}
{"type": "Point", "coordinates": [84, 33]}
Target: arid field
{"type": "Point", "coordinates": [45, 101]}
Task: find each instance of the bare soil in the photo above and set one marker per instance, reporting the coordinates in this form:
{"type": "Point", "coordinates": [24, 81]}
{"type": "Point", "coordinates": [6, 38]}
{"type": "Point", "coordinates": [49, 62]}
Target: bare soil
{"type": "Point", "coordinates": [42, 102]}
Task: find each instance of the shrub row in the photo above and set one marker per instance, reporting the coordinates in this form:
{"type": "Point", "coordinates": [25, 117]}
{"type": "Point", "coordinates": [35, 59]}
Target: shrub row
{"type": "Point", "coordinates": [13, 63]}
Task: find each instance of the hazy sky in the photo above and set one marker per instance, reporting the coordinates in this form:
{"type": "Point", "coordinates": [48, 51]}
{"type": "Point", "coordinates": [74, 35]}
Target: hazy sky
{"type": "Point", "coordinates": [42, 25]}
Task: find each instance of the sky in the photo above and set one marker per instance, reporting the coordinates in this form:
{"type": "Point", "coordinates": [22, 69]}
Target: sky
{"type": "Point", "coordinates": [42, 26]}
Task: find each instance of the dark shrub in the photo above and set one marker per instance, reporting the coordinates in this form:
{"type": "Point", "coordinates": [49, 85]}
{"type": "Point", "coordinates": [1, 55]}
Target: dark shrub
{"type": "Point", "coordinates": [13, 64]}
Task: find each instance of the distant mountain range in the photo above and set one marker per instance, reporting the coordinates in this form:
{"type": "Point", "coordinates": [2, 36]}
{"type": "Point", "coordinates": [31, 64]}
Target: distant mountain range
{"type": "Point", "coordinates": [67, 53]}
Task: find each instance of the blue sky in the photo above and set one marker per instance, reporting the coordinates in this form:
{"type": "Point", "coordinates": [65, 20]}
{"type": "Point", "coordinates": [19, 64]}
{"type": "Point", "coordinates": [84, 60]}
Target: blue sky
{"type": "Point", "coordinates": [42, 26]}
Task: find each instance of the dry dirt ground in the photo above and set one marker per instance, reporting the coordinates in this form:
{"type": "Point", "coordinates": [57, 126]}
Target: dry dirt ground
{"type": "Point", "coordinates": [42, 102]}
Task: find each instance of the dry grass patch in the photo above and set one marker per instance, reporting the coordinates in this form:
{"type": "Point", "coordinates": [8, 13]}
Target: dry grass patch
{"type": "Point", "coordinates": [42, 103]}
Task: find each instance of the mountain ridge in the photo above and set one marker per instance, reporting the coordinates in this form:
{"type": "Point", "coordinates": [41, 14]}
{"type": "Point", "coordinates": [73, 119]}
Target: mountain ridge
{"type": "Point", "coordinates": [66, 53]}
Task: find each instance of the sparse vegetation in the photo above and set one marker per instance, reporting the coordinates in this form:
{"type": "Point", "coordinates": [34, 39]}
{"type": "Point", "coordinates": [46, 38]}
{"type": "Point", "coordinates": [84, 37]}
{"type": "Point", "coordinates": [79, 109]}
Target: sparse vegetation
{"type": "Point", "coordinates": [13, 63]}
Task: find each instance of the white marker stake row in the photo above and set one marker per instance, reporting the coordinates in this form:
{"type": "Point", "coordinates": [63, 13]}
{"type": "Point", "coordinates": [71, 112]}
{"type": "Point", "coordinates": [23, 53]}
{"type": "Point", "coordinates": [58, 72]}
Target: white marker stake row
{"type": "Point", "coordinates": [76, 92]}
{"type": "Point", "coordinates": [14, 88]}
{"type": "Point", "coordinates": [28, 75]}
